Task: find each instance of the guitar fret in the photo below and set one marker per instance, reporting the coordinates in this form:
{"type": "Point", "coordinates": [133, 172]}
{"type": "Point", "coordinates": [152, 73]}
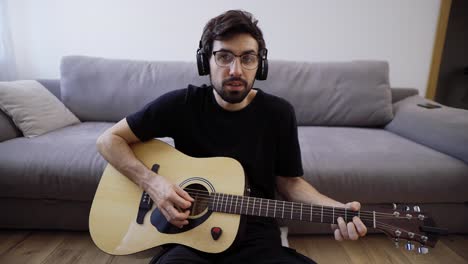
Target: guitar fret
{"type": "Point", "coordinates": [242, 202]}
{"type": "Point", "coordinates": [225, 206]}
{"type": "Point", "coordinates": [373, 213]}
{"type": "Point", "coordinates": [247, 206]}
{"type": "Point", "coordinates": [274, 212]}
{"type": "Point", "coordinates": [301, 211]}
{"type": "Point", "coordinates": [333, 216]}
{"type": "Point", "coordinates": [260, 207]}
{"type": "Point", "coordinates": [321, 217]}
{"type": "Point", "coordinates": [268, 203]}
{"type": "Point", "coordinates": [282, 215]}
{"type": "Point", "coordinates": [221, 197]}
{"type": "Point", "coordinates": [253, 206]}
{"type": "Point", "coordinates": [235, 205]}
{"type": "Point", "coordinates": [311, 211]}
{"type": "Point", "coordinates": [230, 205]}
{"type": "Point", "coordinates": [222, 202]}
{"type": "Point", "coordinates": [292, 209]}
{"type": "Point", "coordinates": [346, 215]}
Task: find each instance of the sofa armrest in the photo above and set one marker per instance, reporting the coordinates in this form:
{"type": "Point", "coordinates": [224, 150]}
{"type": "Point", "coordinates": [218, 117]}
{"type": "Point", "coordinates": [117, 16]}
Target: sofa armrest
{"type": "Point", "coordinates": [443, 129]}
{"type": "Point", "coordinates": [8, 130]}
{"type": "Point", "coordinates": [399, 93]}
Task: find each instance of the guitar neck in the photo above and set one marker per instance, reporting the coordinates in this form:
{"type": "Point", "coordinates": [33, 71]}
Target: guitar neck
{"type": "Point", "coordinates": [245, 205]}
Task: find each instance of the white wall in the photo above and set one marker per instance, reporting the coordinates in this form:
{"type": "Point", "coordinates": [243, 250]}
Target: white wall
{"type": "Point", "coordinates": [399, 31]}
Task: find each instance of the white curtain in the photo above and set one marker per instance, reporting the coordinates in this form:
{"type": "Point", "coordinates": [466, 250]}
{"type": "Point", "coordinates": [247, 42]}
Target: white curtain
{"type": "Point", "coordinates": [7, 59]}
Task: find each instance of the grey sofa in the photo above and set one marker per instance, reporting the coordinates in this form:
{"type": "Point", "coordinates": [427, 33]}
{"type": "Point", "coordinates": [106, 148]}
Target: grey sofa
{"type": "Point", "coordinates": [360, 139]}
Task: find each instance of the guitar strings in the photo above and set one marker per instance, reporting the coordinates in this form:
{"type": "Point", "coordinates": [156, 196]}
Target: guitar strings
{"type": "Point", "coordinates": [294, 207]}
{"type": "Point", "coordinates": [366, 216]}
{"type": "Point", "coordinates": [250, 209]}
{"type": "Point", "coordinates": [224, 198]}
{"type": "Point", "coordinates": [369, 221]}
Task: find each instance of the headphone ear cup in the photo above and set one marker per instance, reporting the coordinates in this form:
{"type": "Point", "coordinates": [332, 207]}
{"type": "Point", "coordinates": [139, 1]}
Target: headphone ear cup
{"type": "Point", "coordinates": [202, 64]}
{"type": "Point", "coordinates": [262, 71]}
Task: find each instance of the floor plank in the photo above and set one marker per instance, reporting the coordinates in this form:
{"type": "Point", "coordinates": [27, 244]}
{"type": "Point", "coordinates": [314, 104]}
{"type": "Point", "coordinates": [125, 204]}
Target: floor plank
{"type": "Point", "coordinates": [457, 243]}
{"type": "Point", "coordinates": [53, 247]}
{"type": "Point", "coordinates": [321, 249]}
{"type": "Point", "coordinates": [34, 249]}
{"type": "Point", "coordinates": [10, 238]}
{"type": "Point", "coordinates": [138, 258]}
{"type": "Point", "coordinates": [76, 248]}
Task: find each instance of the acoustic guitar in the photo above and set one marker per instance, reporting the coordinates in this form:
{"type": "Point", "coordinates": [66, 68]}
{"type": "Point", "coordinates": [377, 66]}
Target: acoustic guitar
{"type": "Point", "coordinates": [123, 219]}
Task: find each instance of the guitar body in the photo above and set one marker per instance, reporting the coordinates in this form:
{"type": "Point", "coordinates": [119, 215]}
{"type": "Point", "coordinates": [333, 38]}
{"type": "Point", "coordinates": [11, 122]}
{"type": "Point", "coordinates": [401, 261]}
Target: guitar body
{"type": "Point", "coordinates": [112, 220]}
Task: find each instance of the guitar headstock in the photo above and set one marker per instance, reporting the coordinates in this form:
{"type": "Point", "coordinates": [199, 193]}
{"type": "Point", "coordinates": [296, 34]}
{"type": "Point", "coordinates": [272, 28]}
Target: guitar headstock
{"type": "Point", "coordinates": [410, 224]}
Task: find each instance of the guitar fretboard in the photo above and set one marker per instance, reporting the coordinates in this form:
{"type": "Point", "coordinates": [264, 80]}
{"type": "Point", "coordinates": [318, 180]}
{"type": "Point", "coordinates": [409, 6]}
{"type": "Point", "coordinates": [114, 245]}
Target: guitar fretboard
{"type": "Point", "coordinates": [245, 205]}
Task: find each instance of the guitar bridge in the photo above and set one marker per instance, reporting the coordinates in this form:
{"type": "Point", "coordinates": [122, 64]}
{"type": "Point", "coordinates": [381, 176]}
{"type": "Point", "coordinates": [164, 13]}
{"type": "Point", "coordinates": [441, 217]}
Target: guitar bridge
{"type": "Point", "coordinates": [146, 203]}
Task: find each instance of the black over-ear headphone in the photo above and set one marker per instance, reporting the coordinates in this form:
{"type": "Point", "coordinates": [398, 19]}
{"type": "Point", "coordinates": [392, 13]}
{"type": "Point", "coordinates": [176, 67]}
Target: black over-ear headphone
{"type": "Point", "coordinates": [203, 63]}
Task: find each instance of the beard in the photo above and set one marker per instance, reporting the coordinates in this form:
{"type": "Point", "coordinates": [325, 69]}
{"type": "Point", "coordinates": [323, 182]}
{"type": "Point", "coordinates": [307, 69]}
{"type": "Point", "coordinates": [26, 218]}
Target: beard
{"type": "Point", "coordinates": [232, 96]}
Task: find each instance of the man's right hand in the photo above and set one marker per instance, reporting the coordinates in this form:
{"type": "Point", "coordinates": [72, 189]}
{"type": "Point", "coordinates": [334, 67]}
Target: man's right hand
{"type": "Point", "coordinates": [168, 197]}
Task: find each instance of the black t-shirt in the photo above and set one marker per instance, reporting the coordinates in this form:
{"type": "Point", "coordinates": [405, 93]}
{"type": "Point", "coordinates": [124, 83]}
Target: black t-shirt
{"type": "Point", "coordinates": [261, 136]}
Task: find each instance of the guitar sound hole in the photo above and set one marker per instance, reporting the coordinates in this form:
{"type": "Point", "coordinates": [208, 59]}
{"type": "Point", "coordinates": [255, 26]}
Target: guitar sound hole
{"type": "Point", "coordinates": [201, 196]}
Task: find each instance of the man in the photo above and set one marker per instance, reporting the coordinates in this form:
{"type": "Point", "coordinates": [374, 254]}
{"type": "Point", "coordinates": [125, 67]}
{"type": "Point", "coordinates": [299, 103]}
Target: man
{"type": "Point", "coordinates": [228, 118]}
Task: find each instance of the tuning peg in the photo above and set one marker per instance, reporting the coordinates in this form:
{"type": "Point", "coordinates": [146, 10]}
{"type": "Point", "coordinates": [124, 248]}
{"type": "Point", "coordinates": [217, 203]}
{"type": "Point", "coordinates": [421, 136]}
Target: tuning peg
{"type": "Point", "coordinates": [407, 208]}
{"type": "Point", "coordinates": [416, 209]}
{"type": "Point", "coordinates": [396, 242]}
{"type": "Point", "coordinates": [394, 206]}
{"type": "Point", "coordinates": [409, 246]}
{"type": "Point", "coordinates": [423, 250]}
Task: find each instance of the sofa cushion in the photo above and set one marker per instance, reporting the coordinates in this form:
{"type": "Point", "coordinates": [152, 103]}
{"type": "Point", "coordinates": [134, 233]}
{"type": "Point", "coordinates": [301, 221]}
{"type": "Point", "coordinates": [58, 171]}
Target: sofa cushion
{"type": "Point", "coordinates": [444, 129]}
{"type": "Point", "coordinates": [377, 166]}
{"type": "Point", "coordinates": [63, 164]}
{"type": "Point", "coordinates": [353, 93]}
{"type": "Point", "coordinates": [33, 109]}
{"type": "Point", "coordinates": [98, 89]}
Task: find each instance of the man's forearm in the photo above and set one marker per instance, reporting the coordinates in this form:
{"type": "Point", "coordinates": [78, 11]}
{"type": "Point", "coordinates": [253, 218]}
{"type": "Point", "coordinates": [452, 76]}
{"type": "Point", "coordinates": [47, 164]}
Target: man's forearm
{"type": "Point", "coordinates": [118, 153]}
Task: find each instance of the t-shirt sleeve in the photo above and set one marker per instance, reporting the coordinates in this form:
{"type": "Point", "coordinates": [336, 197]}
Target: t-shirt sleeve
{"type": "Point", "coordinates": [288, 160]}
{"type": "Point", "coordinates": [158, 118]}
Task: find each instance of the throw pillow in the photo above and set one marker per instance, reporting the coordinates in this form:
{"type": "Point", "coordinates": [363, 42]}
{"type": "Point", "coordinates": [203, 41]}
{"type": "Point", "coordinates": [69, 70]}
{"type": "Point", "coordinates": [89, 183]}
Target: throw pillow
{"type": "Point", "coordinates": [33, 109]}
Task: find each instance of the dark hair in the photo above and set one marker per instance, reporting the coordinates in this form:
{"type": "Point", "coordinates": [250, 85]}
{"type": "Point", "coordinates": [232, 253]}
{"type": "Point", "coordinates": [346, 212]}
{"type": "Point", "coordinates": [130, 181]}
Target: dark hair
{"type": "Point", "coordinates": [229, 24]}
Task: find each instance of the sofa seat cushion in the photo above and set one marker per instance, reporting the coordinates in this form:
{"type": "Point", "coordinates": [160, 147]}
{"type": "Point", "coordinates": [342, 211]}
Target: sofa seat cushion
{"type": "Point", "coordinates": [63, 164]}
{"type": "Point", "coordinates": [377, 166]}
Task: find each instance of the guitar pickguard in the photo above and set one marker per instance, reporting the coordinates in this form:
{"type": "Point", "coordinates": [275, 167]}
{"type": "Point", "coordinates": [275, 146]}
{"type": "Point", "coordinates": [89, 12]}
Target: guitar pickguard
{"type": "Point", "coordinates": [159, 221]}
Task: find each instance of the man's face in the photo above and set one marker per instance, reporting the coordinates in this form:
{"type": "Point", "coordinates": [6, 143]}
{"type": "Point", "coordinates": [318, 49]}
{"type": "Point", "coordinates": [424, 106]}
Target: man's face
{"type": "Point", "coordinates": [233, 82]}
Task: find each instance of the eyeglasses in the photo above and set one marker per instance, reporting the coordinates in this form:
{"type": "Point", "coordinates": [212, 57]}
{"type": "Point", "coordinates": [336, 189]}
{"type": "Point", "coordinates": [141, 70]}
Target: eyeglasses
{"type": "Point", "coordinates": [225, 58]}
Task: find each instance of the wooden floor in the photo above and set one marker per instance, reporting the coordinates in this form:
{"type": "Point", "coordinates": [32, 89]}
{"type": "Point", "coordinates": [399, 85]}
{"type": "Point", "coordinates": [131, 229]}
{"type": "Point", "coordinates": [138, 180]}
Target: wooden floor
{"type": "Point", "coordinates": [47, 247]}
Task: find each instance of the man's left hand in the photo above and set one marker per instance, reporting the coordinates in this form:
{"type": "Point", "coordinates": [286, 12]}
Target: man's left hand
{"type": "Point", "coordinates": [352, 230]}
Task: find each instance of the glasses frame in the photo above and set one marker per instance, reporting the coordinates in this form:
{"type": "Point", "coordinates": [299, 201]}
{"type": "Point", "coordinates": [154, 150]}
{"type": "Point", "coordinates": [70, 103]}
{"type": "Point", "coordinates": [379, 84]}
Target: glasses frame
{"type": "Point", "coordinates": [237, 56]}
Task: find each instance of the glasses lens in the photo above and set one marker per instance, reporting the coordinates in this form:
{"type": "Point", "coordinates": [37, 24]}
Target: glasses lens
{"type": "Point", "coordinates": [249, 61]}
{"type": "Point", "coordinates": [224, 58]}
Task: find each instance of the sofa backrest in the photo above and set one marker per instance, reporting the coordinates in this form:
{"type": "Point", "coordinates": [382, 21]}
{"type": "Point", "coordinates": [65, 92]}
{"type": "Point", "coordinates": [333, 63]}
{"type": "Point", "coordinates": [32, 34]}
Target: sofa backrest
{"type": "Point", "coordinates": [98, 89]}
{"type": "Point", "coordinates": [355, 93]}
{"type": "Point", "coordinates": [329, 94]}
